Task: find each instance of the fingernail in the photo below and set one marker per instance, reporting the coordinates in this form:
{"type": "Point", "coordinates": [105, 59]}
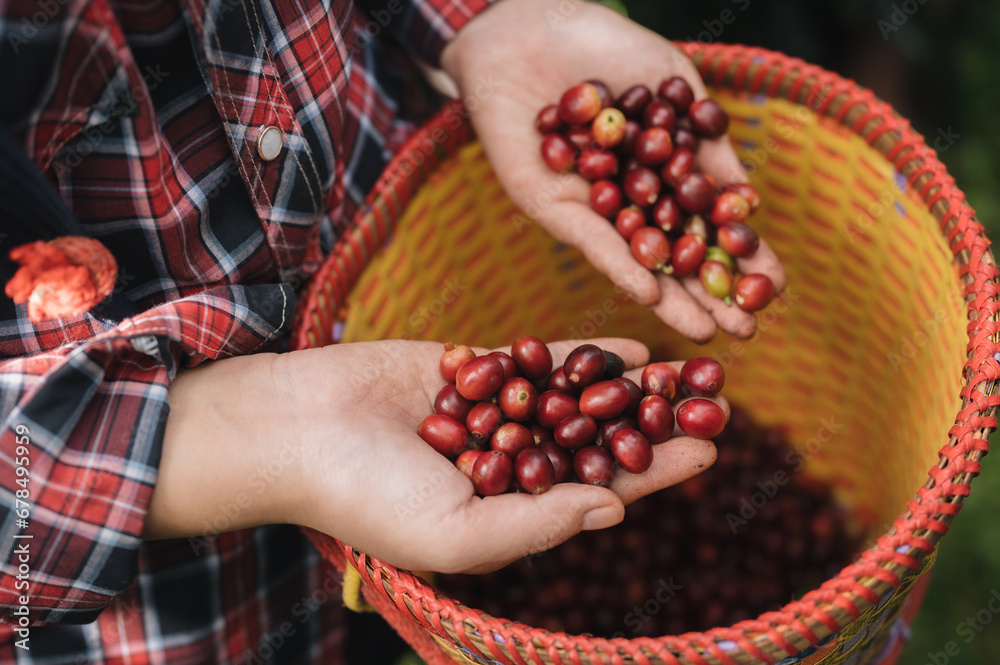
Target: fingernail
{"type": "Point", "coordinates": [601, 518]}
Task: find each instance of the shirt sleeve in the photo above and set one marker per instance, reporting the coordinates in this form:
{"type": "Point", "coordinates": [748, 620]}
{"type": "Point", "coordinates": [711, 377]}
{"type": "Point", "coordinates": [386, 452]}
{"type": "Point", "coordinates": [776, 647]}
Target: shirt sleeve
{"type": "Point", "coordinates": [423, 26]}
{"type": "Point", "coordinates": [81, 440]}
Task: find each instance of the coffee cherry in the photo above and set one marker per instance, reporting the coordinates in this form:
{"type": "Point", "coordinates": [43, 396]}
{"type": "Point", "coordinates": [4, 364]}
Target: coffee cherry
{"type": "Point", "coordinates": [580, 138]}
{"type": "Point", "coordinates": [492, 473]}
{"type": "Point", "coordinates": [450, 403]}
{"type": "Point", "coordinates": [509, 368]}
{"type": "Point", "coordinates": [655, 418]}
{"type": "Point", "coordinates": [453, 358]}
{"type": "Point", "coordinates": [688, 253]}
{"type": "Point", "coordinates": [650, 248]}
{"type": "Point", "coordinates": [716, 279]}
{"type": "Point", "coordinates": [754, 292]}
{"type": "Point", "coordinates": [695, 193]}
{"type": "Point", "coordinates": [631, 450]}
{"type": "Point", "coordinates": [635, 393]}
{"type": "Point", "coordinates": [641, 187]}
{"type": "Point", "coordinates": [511, 438]}
{"type": "Point", "coordinates": [594, 164]}
{"type": "Point", "coordinates": [548, 120]}
{"type": "Point", "coordinates": [739, 240]}
{"type": "Point", "coordinates": [483, 420]}
{"type": "Point", "coordinates": [681, 163]}
{"type": "Point", "coordinates": [558, 381]}
{"type": "Point", "coordinates": [554, 407]}
{"type": "Point", "coordinates": [660, 113]}
{"type": "Point", "coordinates": [539, 433]}
{"type": "Point", "coordinates": [585, 365]}
{"type": "Point", "coordinates": [608, 128]}
{"type": "Point", "coordinates": [661, 379]}
{"type": "Point", "coordinates": [607, 99]}
{"type": "Point", "coordinates": [696, 226]}
{"type": "Point", "coordinates": [580, 104]}
{"type": "Point", "coordinates": [614, 366]}
{"type": "Point", "coordinates": [532, 357]}
{"type": "Point", "coordinates": [576, 431]}
{"type": "Point", "coordinates": [685, 138]}
{"type": "Point", "coordinates": [606, 198]}
{"type": "Point", "coordinates": [558, 152]}
{"type": "Point", "coordinates": [534, 471]}
{"type": "Point", "coordinates": [561, 459]}
{"type": "Point", "coordinates": [653, 147]}
{"type": "Point", "coordinates": [604, 400]}
{"type": "Point", "coordinates": [677, 91]}
{"type": "Point", "coordinates": [518, 399]}
{"type": "Point", "coordinates": [703, 376]}
{"type": "Point", "coordinates": [479, 378]}
{"type": "Point", "coordinates": [667, 214]}
{"type": "Point", "coordinates": [632, 130]}
{"type": "Point", "coordinates": [729, 208]}
{"type": "Point", "coordinates": [701, 418]}
{"type": "Point", "coordinates": [708, 119]}
{"type": "Point", "coordinates": [594, 466]}
{"type": "Point", "coordinates": [722, 256]}
{"type": "Point", "coordinates": [607, 429]}
{"type": "Point", "coordinates": [634, 101]}
{"type": "Point", "coordinates": [444, 434]}
{"type": "Point", "coordinates": [467, 460]}
{"type": "Point", "coordinates": [629, 220]}
{"type": "Point", "coordinates": [748, 192]}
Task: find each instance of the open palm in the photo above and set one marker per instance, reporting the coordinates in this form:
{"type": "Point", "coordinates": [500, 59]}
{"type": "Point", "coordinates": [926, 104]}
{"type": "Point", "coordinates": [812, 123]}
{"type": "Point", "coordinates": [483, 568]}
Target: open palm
{"type": "Point", "coordinates": [531, 51]}
{"type": "Point", "coordinates": [374, 484]}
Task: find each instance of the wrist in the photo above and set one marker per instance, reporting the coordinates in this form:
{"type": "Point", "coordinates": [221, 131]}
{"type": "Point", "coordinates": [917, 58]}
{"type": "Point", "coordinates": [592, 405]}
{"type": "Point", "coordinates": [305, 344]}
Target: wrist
{"type": "Point", "coordinates": [224, 465]}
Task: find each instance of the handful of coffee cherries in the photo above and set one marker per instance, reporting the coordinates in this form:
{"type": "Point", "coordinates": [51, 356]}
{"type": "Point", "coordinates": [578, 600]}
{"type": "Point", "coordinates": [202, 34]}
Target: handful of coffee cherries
{"type": "Point", "coordinates": [638, 151]}
{"type": "Point", "coordinates": [512, 423]}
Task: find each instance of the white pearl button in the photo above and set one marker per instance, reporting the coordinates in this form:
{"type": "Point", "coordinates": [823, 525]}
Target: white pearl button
{"type": "Point", "coordinates": [269, 143]}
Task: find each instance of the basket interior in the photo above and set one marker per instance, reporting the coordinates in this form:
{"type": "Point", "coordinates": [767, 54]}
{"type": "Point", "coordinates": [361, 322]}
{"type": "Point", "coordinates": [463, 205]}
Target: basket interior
{"type": "Point", "coordinates": [861, 359]}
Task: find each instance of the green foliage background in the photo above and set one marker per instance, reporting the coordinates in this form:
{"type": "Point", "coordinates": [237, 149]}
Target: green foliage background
{"type": "Point", "coordinates": [936, 62]}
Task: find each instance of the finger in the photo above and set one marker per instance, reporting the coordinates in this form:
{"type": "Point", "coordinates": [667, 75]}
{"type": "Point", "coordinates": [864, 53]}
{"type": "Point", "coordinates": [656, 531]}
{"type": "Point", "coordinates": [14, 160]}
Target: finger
{"type": "Point", "coordinates": [730, 318]}
{"type": "Point", "coordinates": [766, 262]}
{"type": "Point", "coordinates": [633, 352]}
{"type": "Point", "coordinates": [679, 310]}
{"type": "Point", "coordinates": [674, 461]}
{"type": "Point", "coordinates": [717, 158]}
{"type": "Point", "coordinates": [497, 530]}
{"type": "Point", "coordinates": [574, 223]}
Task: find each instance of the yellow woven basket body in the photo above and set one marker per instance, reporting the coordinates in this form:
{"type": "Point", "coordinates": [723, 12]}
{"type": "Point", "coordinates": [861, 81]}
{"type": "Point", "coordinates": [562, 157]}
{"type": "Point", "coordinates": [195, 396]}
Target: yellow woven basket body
{"type": "Point", "coordinates": [878, 359]}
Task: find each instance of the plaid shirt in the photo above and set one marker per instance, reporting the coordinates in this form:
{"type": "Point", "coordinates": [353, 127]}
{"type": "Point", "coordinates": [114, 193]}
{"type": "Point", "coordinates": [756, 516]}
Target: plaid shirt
{"type": "Point", "coordinates": [144, 117]}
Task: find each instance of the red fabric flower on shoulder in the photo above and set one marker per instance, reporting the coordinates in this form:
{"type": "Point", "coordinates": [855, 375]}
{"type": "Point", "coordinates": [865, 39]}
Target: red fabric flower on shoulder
{"type": "Point", "coordinates": [62, 277]}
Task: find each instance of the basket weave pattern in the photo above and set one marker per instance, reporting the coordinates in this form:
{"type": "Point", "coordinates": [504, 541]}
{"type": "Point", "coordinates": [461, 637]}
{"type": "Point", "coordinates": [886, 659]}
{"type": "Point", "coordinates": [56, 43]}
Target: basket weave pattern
{"type": "Point", "coordinates": [893, 291]}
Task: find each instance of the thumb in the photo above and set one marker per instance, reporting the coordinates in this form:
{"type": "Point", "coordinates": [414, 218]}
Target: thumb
{"type": "Point", "coordinates": [497, 530]}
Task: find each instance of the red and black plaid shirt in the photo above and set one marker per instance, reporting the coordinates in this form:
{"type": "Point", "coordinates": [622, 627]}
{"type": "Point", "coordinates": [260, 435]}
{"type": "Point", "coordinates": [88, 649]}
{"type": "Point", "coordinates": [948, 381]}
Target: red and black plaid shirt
{"type": "Point", "coordinates": [144, 117]}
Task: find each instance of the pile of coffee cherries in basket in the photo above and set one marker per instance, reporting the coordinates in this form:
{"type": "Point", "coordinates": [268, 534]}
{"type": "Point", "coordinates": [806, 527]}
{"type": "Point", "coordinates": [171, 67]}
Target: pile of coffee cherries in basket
{"type": "Point", "coordinates": [745, 537]}
{"type": "Point", "coordinates": [512, 423]}
{"type": "Point", "coordinates": [638, 151]}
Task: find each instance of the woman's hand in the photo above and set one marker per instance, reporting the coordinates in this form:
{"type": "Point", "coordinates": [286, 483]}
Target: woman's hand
{"type": "Point", "coordinates": [533, 50]}
{"type": "Point", "coordinates": [326, 438]}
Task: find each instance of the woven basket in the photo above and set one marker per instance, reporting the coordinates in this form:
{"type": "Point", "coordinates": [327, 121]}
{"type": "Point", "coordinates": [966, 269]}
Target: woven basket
{"type": "Point", "coordinates": [878, 361]}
